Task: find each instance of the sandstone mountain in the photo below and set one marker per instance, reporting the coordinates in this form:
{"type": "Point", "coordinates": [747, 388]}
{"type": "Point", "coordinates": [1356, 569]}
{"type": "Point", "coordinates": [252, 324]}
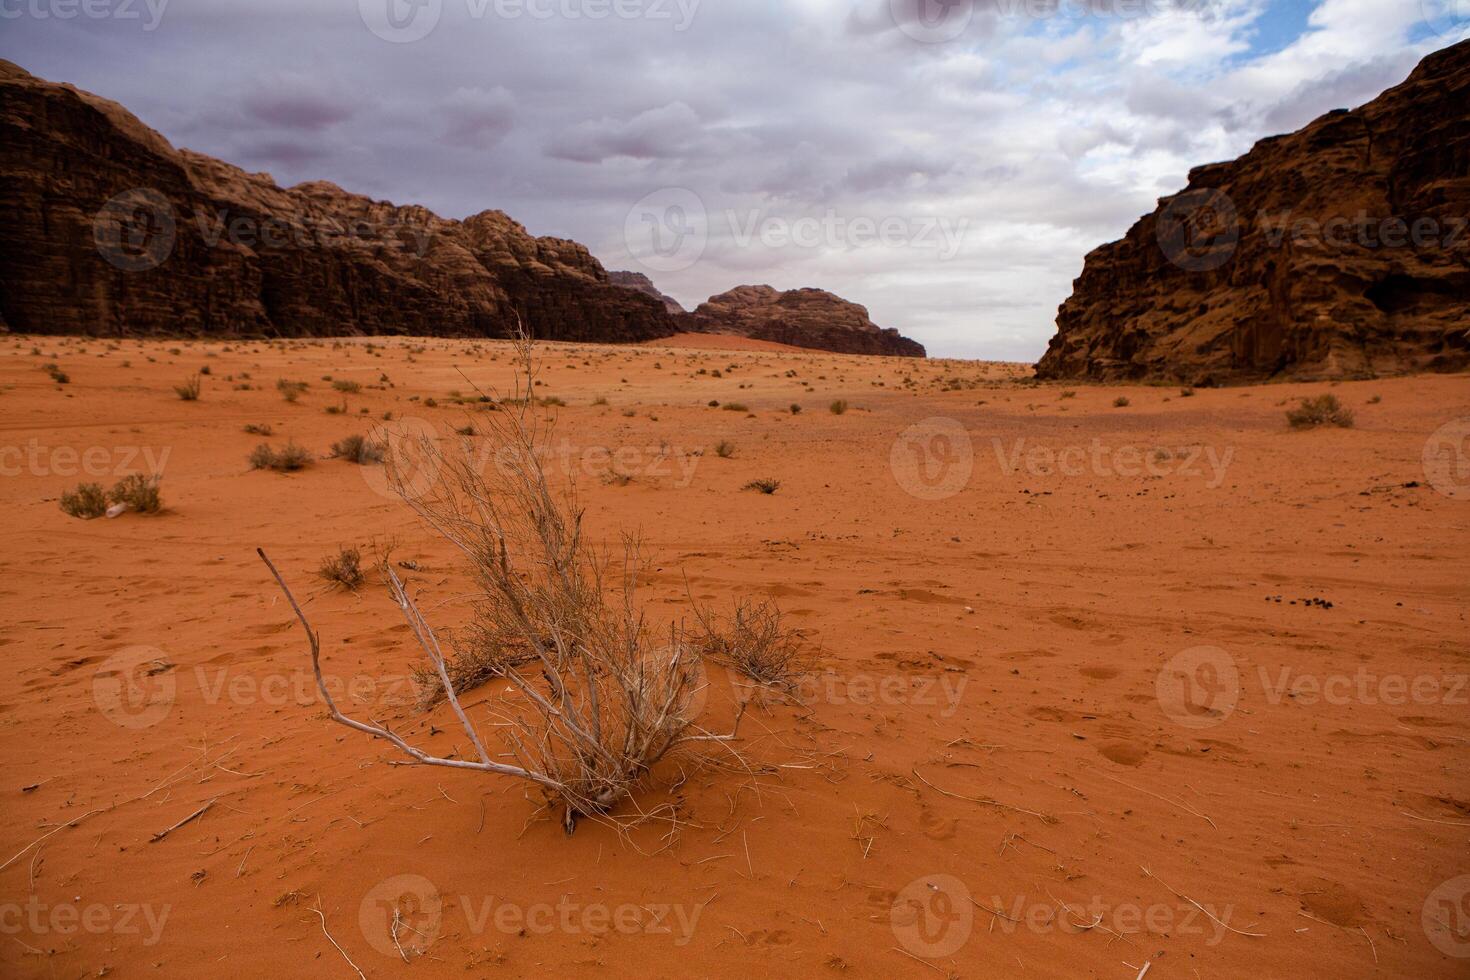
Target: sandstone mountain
{"type": "Point", "coordinates": [810, 318]}
{"type": "Point", "coordinates": [640, 282]}
{"type": "Point", "coordinates": [1337, 251]}
{"type": "Point", "coordinates": [111, 230]}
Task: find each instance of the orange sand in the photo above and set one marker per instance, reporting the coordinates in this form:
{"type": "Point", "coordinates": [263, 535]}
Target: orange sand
{"type": "Point", "coordinates": [1017, 634]}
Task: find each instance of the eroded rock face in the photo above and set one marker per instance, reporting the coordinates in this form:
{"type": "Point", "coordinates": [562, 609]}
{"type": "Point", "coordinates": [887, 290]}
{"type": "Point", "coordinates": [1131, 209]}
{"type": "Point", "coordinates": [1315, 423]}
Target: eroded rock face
{"type": "Point", "coordinates": [196, 246]}
{"type": "Point", "coordinates": [644, 285]}
{"type": "Point", "coordinates": [1337, 251]}
{"type": "Point", "coordinates": [811, 318]}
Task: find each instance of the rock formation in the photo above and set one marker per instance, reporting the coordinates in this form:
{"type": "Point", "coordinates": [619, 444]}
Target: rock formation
{"type": "Point", "coordinates": [1337, 251]}
{"type": "Point", "coordinates": [810, 318]}
{"type": "Point", "coordinates": [640, 282]}
{"type": "Point", "coordinates": [111, 230]}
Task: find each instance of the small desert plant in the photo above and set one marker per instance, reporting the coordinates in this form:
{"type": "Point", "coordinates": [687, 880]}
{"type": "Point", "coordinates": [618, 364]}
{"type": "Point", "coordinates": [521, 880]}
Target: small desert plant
{"type": "Point", "coordinates": [190, 389]}
{"type": "Point", "coordinates": [344, 568]}
{"type": "Point", "coordinates": [338, 409]}
{"type": "Point", "coordinates": [287, 460]}
{"type": "Point", "coordinates": [724, 449]}
{"type": "Point", "coordinates": [1323, 410]}
{"type": "Point", "coordinates": [258, 429]}
{"type": "Point", "coordinates": [1186, 392]}
{"type": "Point", "coordinates": [347, 387]}
{"type": "Point", "coordinates": [795, 409]}
{"type": "Point", "coordinates": [754, 641]}
{"type": "Point", "coordinates": [138, 492]}
{"type": "Point", "coordinates": [1121, 402]}
{"type": "Point", "coordinates": [358, 449]}
{"type": "Point", "coordinates": [57, 375]}
{"type": "Point", "coordinates": [839, 407]}
{"type": "Point", "coordinates": [610, 696]}
{"type": "Point", "coordinates": [599, 400]}
{"type": "Point", "coordinates": [290, 390]}
{"type": "Point", "coordinates": [86, 501]}
{"type": "Point", "coordinates": [735, 407]}
{"type": "Point", "coordinates": [766, 486]}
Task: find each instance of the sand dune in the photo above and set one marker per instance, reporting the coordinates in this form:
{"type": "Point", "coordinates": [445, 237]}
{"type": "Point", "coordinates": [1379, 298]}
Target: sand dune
{"type": "Point", "coordinates": [1165, 686]}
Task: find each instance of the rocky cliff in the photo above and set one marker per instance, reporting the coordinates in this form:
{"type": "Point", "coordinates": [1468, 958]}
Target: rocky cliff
{"type": "Point", "coordinates": [1337, 251]}
{"type": "Point", "coordinates": [800, 317]}
{"type": "Point", "coordinates": [644, 285]}
{"type": "Point", "coordinates": [108, 229]}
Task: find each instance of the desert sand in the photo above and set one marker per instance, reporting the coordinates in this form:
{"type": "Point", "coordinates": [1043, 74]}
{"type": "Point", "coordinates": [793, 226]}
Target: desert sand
{"type": "Point", "coordinates": [1083, 708]}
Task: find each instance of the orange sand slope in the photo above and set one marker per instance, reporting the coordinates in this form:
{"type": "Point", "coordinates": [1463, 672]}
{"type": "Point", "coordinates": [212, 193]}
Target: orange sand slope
{"type": "Point", "coordinates": [718, 341]}
{"type": "Point", "coordinates": [1164, 687]}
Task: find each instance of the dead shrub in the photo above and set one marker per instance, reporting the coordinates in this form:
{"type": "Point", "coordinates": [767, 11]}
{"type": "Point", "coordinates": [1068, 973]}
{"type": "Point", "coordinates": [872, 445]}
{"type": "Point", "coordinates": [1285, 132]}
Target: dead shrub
{"type": "Point", "coordinates": [287, 460]}
{"type": "Point", "coordinates": [86, 501]}
{"type": "Point", "coordinates": [359, 450]}
{"type": "Point", "coordinates": [755, 641]}
{"type": "Point", "coordinates": [140, 493]}
{"type": "Point", "coordinates": [344, 568]}
{"type": "Point", "coordinates": [1323, 410]}
{"type": "Point", "coordinates": [606, 696]}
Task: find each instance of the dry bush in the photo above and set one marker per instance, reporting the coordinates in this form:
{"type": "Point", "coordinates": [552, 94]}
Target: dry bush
{"type": "Point", "coordinates": [359, 450]}
{"type": "Point", "coordinates": [765, 485]}
{"type": "Point", "coordinates": [755, 641]}
{"type": "Point", "coordinates": [86, 501]}
{"type": "Point", "coordinates": [344, 568]}
{"type": "Point", "coordinates": [139, 492]}
{"type": "Point", "coordinates": [190, 389]}
{"type": "Point", "coordinates": [287, 460]}
{"type": "Point", "coordinates": [1323, 410]}
{"type": "Point", "coordinates": [604, 696]}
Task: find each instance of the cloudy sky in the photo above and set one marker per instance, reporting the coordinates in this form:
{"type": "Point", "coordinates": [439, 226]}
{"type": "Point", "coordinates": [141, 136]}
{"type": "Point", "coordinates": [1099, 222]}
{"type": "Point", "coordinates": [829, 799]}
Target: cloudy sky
{"type": "Point", "coordinates": [947, 163]}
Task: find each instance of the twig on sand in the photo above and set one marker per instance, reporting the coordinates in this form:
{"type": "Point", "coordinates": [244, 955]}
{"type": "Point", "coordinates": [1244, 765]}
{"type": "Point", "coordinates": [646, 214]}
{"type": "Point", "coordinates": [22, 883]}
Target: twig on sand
{"type": "Point", "coordinates": [916, 959]}
{"type": "Point", "coordinates": [1139, 789]}
{"type": "Point", "coordinates": [191, 817]}
{"type": "Point", "coordinates": [1044, 817]}
{"type": "Point", "coordinates": [70, 823]}
{"type": "Point", "coordinates": [318, 910]}
{"type": "Point", "coordinates": [1210, 915]}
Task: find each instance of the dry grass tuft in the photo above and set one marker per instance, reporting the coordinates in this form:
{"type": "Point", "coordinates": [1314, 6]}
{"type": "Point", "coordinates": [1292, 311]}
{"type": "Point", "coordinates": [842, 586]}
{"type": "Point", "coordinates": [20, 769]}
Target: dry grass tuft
{"type": "Point", "coordinates": [86, 501]}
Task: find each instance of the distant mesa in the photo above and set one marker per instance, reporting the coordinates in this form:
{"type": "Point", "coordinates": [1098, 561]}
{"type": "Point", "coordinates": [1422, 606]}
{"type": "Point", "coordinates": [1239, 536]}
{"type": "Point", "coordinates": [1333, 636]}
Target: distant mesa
{"type": "Point", "coordinates": [1338, 251]}
{"type": "Point", "coordinates": [809, 318]}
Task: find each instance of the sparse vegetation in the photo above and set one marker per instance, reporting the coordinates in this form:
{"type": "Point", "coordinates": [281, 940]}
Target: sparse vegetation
{"type": "Point", "coordinates": [258, 429]}
{"type": "Point", "coordinates": [189, 391]}
{"type": "Point", "coordinates": [344, 568]}
{"type": "Point", "coordinates": [735, 407]}
{"type": "Point", "coordinates": [1186, 392]}
{"type": "Point", "coordinates": [86, 501]}
{"type": "Point", "coordinates": [724, 449]}
{"type": "Point", "coordinates": [1121, 402]}
{"type": "Point", "coordinates": [839, 407]}
{"type": "Point", "coordinates": [755, 641]}
{"type": "Point", "coordinates": [291, 390]}
{"type": "Point", "coordinates": [138, 492]}
{"type": "Point", "coordinates": [766, 486]}
{"type": "Point", "coordinates": [346, 387]}
{"type": "Point", "coordinates": [1322, 410]}
{"type": "Point", "coordinates": [611, 695]}
{"type": "Point", "coordinates": [287, 460]}
{"type": "Point", "coordinates": [795, 409]}
{"type": "Point", "coordinates": [57, 375]}
{"type": "Point", "coordinates": [358, 449]}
